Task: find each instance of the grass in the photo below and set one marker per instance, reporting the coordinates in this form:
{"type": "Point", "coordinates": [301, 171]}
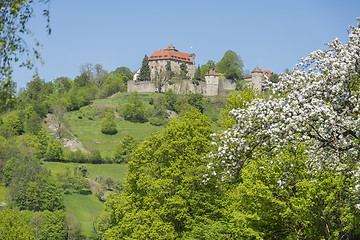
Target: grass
{"type": "Point", "coordinates": [89, 131]}
{"type": "Point", "coordinates": [86, 208]}
{"type": "Point", "coordinates": [3, 193]}
{"type": "Point", "coordinates": [115, 171]}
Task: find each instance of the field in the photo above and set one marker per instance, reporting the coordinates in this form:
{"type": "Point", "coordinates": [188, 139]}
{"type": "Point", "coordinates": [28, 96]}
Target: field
{"type": "Point", "coordinates": [89, 131]}
{"type": "Point", "coordinates": [115, 171]}
{"type": "Point", "coordinates": [85, 208]}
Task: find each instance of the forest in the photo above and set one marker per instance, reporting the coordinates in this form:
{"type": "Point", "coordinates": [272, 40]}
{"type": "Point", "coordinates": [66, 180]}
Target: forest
{"type": "Point", "coordinates": [278, 164]}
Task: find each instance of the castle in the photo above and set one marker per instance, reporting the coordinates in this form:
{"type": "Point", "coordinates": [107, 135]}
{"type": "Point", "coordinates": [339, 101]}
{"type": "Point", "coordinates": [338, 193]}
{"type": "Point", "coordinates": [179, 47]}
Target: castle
{"type": "Point", "coordinates": [213, 84]}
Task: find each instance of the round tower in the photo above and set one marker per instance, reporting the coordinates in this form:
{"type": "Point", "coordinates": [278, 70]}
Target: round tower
{"type": "Point", "coordinates": [257, 78]}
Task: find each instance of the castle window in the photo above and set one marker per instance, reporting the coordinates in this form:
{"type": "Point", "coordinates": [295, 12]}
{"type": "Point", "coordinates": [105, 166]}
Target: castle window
{"type": "Point", "coordinates": [165, 56]}
{"type": "Point", "coordinates": [160, 56]}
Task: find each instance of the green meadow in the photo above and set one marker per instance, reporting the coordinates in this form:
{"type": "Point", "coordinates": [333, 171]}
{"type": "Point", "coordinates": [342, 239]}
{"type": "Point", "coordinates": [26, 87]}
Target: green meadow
{"type": "Point", "coordinates": [88, 131]}
{"type": "Point", "coordinates": [85, 208]}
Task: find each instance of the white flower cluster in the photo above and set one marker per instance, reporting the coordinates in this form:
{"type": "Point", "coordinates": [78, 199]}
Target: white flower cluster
{"type": "Point", "coordinates": [316, 104]}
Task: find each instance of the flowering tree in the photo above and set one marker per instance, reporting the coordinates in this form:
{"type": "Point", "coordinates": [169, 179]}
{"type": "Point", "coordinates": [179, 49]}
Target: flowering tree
{"type": "Point", "coordinates": [317, 104]}
{"type": "Point", "coordinates": [295, 154]}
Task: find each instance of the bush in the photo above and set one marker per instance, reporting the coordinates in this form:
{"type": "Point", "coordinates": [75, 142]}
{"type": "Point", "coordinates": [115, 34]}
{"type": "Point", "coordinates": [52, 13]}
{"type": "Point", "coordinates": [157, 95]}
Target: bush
{"type": "Point", "coordinates": [108, 124]}
{"type": "Point", "coordinates": [133, 110]}
{"type": "Point", "coordinates": [124, 149]}
{"type": "Point", "coordinates": [95, 157]}
{"type": "Point", "coordinates": [85, 191]}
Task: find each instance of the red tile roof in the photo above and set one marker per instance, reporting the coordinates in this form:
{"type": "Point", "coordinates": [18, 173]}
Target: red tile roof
{"type": "Point", "coordinates": [170, 54]}
{"type": "Point", "coordinates": [267, 73]}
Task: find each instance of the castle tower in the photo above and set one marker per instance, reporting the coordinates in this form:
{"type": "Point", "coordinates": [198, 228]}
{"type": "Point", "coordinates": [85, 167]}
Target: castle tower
{"type": "Point", "coordinates": [212, 83]}
{"type": "Point", "coordinates": [257, 78]}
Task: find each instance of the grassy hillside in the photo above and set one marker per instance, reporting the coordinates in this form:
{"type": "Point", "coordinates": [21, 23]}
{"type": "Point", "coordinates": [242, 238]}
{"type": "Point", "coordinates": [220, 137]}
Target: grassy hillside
{"type": "Point", "coordinates": [85, 123]}
{"type": "Point", "coordinates": [88, 129]}
{"type": "Point", "coordinates": [85, 208]}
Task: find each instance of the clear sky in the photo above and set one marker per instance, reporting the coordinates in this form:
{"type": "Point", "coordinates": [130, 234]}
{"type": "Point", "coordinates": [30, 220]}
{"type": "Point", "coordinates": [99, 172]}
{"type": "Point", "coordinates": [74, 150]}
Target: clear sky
{"type": "Point", "coordinates": [273, 35]}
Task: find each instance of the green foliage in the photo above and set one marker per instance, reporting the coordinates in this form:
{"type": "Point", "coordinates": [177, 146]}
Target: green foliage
{"type": "Point", "coordinates": [124, 71]}
{"type": "Point", "coordinates": [108, 124]}
{"type": "Point", "coordinates": [123, 150]}
{"type": "Point", "coordinates": [32, 121]}
{"type": "Point", "coordinates": [54, 151]}
{"type": "Point", "coordinates": [301, 205]}
{"type": "Point", "coordinates": [164, 196]}
{"type": "Point", "coordinates": [196, 100]}
{"type": "Point", "coordinates": [145, 70]}
{"type": "Point", "coordinates": [274, 78]}
{"type": "Point", "coordinates": [197, 75]}
{"type": "Point", "coordinates": [12, 124]}
{"type": "Point", "coordinates": [170, 100]}
{"type": "Point", "coordinates": [53, 225]}
{"type": "Point", "coordinates": [14, 32]}
{"type": "Point", "coordinates": [234, 101]}
{"type": "Point", "coordinates": [134, 110]}
{"type": "Point", "coordinates": [183, 71]}
{"type": "Point", "coordinates": [205, 68]}
{"type": "Point", "coordinates": [34, 189]}
{"type": "Point", "coordinates": [230, 65]}
{"type": "Point", "coordinates": [15, 225]}
{"type": "Point", "coordinates": [95, 157]}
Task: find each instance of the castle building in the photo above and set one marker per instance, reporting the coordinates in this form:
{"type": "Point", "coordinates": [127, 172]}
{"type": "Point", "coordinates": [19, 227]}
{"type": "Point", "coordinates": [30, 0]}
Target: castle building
{"type": "Point", "coordinates": [257, 77]}
{"type": "Point", "coordinates": [158, 60]}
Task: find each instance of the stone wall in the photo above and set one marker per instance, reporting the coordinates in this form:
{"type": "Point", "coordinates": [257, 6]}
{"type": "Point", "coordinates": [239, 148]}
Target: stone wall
{"type": "Point", "coordinates": [140, 86]}
{"type": "Point", "coordinates": [226, 84]}
{"type": "Point", "coordinates": [160, 65]}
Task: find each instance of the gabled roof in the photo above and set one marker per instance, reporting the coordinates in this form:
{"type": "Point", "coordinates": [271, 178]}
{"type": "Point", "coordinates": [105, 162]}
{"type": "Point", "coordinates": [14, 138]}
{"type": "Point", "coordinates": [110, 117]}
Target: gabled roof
{"type": "Point", "coordinates": [256, 70]}
{"type": "Point", "coordinates": [170, 53]}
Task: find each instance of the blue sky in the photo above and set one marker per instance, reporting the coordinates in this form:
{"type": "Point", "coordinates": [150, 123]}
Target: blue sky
{"type": "Point", "coordinates": [273, 35]}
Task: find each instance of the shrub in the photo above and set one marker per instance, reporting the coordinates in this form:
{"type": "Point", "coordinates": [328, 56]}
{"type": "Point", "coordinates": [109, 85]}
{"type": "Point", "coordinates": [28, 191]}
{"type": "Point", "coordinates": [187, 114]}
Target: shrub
{"type": "Point", "coordinates": [108, 124]}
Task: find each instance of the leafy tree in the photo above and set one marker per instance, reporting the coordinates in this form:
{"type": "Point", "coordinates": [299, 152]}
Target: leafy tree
{"type": "Point", "coordinates": [298, 151]}
{"type": "Point", "coordinates": [59, 112]}
{"type": "Point", "coordinates": [32, 123]}
{"type": "Point", "coordinates": [14, 29]}
{"type": "Point", "coordinates": [237, 100]}
{"type": "Point", "coordinates": [170, 100]}
{"type": "Point", "coordinates": [13, 124]}
{"type": "Point", "coordinates": [54, 151]}
{"type": "Point", "coordinates": [134, 110]}
{"type": "Point", "coordinates": [63, 84]}
{"type": "Point", "coordinates": [205, 68]}
{"type": "Point", "coordinates": [145, 70]}
{"type": "Point", "coordinates": [274, 78]}
{"type": "Point", "coordinates": [108, 124]}
{"type": "Point", "coordinates": [124, 149]}
{"type": "Point", "coordinates": [54, 225]}
{"type": "Point", "coordinates": [230, 65]}
{"type": "Point", "coordinates": [164, 196]}
{"type": "Point", "coordinates": [196, 100]}
{"type": "Point", "coordinates": [124, 71]}
{"type": "Point", "coordinates": [15, 225]}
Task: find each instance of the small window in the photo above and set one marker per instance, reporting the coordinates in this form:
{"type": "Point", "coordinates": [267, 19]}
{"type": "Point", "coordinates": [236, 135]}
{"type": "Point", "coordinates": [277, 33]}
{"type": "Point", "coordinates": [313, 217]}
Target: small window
{"type": "Point", "coordinates": [165, 56]}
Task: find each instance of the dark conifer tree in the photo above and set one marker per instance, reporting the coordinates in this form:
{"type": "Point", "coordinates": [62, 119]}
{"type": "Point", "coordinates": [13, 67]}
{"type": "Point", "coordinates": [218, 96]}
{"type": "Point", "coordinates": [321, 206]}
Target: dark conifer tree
{"type": "Point", "coordinates": [145, 70]}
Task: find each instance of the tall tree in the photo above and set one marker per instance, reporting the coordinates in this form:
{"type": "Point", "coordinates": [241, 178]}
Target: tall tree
{"type": "Point", "coordinates": [230, 65]}
{"type": "Point", "coordinates": [164, 196]}
{"type": "Point", "coordinates": [145, 70]}
{"type": "Point", "coordinates": [183, 71]}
